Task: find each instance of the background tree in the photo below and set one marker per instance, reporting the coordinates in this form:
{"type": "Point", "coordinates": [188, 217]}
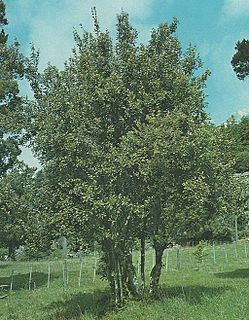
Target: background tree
{"type": "Point", "coordinates": [11, 69]}
{"type": "Point", "coordinates": [40, 229]}
{"type": "Point", "coordinates": [240, 60]}
{"type": "Point", "coordinates": [14, 206]}
{"type": "Point", "coordinates": [238, 132]}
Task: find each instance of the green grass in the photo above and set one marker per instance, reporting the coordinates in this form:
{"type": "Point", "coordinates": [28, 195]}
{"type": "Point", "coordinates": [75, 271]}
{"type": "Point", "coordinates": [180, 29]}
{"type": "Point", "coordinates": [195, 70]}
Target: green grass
{"type": "Point", "coordinates": [218, 289]}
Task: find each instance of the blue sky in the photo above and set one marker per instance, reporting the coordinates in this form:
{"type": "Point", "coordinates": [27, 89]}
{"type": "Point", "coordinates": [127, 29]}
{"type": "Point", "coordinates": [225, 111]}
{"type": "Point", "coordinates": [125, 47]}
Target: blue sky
{"type": "Point", "coordinates": [214, 26]}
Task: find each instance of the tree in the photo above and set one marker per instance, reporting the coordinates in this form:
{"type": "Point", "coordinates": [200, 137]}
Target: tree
{"type": "Point", "coordinates": [117, 131]}
{"type": "Point", "coordinates": [11, 69]}
{"type": "Point", "coordinates": [11, 123]}
{"type": "Point", "coordinates": [240, 60]}
{"type": "Point", "coordinates": [186, 170]}
{"type": "Point", "coordinates": [14, 206]}
{"type": "Point", "coordinates": [238, 132]}
{"type": "Point", "coordinates": [40, 230]}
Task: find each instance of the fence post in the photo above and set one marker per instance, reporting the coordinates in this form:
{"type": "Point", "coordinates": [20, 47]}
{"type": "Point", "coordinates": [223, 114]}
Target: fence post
{"type": "Point", "coordinates": [245, 250]}
{"type": "Point", "coordinates": [225, 252]}
{"type": "Point", "coordinates": [214, 253]}
{"type": "Point", "coordinates": [49, 275]}
{"type": "Point", "coordinates": [178, 259]}
{"type": "Point", "coordinates": [236, 228]}
{"type": "Point", "coordinates": [235, 250]}
{"type": "Point", "coordinates": [80, 274]}
{"type": "Point", "coordinates": [11, 280]}
{"type": "Point", "coordinates": [30, 278]}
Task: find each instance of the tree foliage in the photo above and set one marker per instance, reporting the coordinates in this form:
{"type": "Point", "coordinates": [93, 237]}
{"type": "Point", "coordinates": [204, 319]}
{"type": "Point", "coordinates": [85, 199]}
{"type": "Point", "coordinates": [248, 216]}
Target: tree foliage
{"type": "Point", "coordinates": [40, 229]}
{"type": "Point", "coordinates": [14, 206]}
{"type": "Point", "coordinates": [123, 135]}
{"type": "Point", "coordinates": [11, 69]}
{"type": "Point", "coordinates": [238, 132]}
{"type": "Point", "coordinates": [240, 60]}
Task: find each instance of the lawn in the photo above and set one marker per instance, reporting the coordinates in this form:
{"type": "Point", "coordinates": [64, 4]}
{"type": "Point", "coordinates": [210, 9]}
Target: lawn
{"type": "Point", "coordinates": [216, 289]}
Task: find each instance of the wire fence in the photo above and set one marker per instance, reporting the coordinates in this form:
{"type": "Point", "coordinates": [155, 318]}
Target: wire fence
{"type": "Point", "coordinates": [78, 273]}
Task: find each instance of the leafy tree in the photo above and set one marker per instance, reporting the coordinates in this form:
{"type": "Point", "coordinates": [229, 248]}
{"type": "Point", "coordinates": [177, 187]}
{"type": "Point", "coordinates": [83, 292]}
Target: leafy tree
{"type": "Point", "coordinates": [238, 132]}
{"type": "Point", "coordinates": [11, 69]}
{"type": "Point", "coordinates": [240, 60]}
{"type": "Point", "coordinates": [185, 168]}
{"type": "Point", "coordinates": [240, 63]}
{"type": "Point", "coordinates": [40, 230]}
{"type": "Point", "coordinates": [122, 133]}
{"type": "Point", "coordinates": [14, 206]}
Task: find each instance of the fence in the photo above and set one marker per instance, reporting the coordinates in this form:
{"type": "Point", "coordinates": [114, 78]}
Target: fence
{"type": "Point", "coordinates": [83, 272]}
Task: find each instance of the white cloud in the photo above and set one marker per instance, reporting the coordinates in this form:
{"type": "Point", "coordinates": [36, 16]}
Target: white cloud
{"type": "Point", "coordinates": [235, 7]}
{"type": "Point", "coordinates": [50, 23]}
{"type": "Point", "coordinates": [243, 112]}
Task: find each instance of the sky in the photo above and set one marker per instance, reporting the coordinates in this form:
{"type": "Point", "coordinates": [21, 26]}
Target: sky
{"type": "Point", "coordinates": [213, 26]}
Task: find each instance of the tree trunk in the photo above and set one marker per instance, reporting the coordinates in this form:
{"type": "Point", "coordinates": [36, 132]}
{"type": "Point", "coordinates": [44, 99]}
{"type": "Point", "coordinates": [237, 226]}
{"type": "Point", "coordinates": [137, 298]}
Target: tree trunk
{"type": "Point", "coordinates": [156, 271]}
{"type": "Point", "coordinates": [142, 265]}
{"type": "Point", "coordinates": [119, 271]}
{"type": "Point", "coordinates": [120, 282]}
{"type": "Point", "coordinates": [131, 280]}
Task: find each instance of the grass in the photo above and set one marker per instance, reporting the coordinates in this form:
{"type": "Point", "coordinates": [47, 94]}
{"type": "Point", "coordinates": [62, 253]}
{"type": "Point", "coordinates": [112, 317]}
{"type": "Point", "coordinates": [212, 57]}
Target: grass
{"type": "Point", "coordinates": [217, 289]}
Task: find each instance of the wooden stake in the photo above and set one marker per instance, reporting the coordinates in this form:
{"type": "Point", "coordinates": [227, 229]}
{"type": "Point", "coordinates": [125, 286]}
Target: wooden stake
{"type": "Point", "coordinates": [11, 279]}
{"type": "Point", "coordinates": [235, 250]}
{"type": "Point", "coordinates": [225, 252]}
{"type": "Point", "coordinates": [245, 250]}
{"type": "Point", "coordinates": [214, 253]}
{"type": "Point", "coordinates": [94, 269]}
{"type": "Point", "coordinates": [178, 259]}
{"type": "Point", "coordinates": [63, 273]}
{"type": "Point", "coordinates": [30, 278]}
{"type": "Point", "coordinates": [49, 275]}
{"type": "Point", "coordinates": [80, 274]}
{"type": "Point", "coordinates": [236, 228]}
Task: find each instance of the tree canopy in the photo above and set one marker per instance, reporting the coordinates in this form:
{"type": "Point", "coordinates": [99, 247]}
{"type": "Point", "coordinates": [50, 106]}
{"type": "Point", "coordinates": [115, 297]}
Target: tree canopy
{"type": "Point", "coordinates": [240, 60]}
{"type": "Point", "coordinates": [11, 69]}
{"type": "Point", "coordinates": [123, 134]}
{"type": "Point", "coordinates": [238, 132]}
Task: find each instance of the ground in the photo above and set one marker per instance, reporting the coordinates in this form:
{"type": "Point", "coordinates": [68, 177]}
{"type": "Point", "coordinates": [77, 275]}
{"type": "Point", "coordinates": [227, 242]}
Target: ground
{"type": "Point", "coordinates": [217, 289]}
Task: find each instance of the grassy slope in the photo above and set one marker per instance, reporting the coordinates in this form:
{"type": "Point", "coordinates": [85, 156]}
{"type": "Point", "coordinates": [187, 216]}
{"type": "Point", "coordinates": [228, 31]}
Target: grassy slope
{"type": "Point", "coordinates": [217, 290]}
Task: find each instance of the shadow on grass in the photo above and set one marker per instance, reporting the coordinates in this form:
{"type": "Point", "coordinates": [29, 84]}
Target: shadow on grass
{"type": "Point", "coordinates": [96, 304]}
{"type": "Point", "coordinates": [236, 274]}
{"type": "Point", "coordinates": [4, 266]}
{"type": "Point", "coordinates": [191, 294]}
{"type": "Point", "coordinates": [21, 281]}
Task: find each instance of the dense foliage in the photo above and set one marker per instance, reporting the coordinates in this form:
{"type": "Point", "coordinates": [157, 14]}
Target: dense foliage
{"type": "Point", "coordinates": [10, 70]}
{"type": "Point", "coordinates": [240, 60]}
{"type": "Point", "coordinates": [12, 174]}
{"type": "Point", "coordinates": [128, 151]}
{"type": "Point", "coordinates": [14, 207]}
{"type": "Point", "coordinates": [238, 132]}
